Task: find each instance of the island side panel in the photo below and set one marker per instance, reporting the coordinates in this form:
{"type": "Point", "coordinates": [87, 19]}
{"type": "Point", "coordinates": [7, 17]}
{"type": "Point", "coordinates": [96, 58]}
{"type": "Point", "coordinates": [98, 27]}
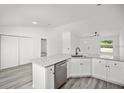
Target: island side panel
{"type": "Point", "coordinates": [39, 77]}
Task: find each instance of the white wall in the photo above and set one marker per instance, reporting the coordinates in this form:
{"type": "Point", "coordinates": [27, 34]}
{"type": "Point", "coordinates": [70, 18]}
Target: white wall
{"type": "Point", "coordinates": [90, 46]}
{"type": "Point", "coordinates": [121, 45]}
{"type": "Point", "coordinates": [66, 42]}
{"type": "Point", "coordinates": [54, 43]}
{"type": "Point", "coordinates": [75, 42]}
{"type": "Point", "coordinates": [54, 39]}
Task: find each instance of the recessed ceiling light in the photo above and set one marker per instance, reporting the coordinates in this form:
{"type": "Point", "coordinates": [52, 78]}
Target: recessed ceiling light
{"type": "Point", "coordinates": [99, 4]}
{"type": "Point", "coordinates": [49, 24]}
{"type": "Point", "coordinates": [34, 22]}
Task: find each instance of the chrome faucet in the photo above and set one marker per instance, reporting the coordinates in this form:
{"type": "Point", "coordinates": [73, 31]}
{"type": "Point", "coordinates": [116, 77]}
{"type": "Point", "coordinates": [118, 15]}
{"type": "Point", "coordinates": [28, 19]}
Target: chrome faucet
{"type": "Point", "coordinates": [78, 50]}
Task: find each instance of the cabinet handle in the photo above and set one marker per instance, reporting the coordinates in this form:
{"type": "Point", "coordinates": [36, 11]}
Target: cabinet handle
{"type": "Point", "coordinates": [81, 64]}
{"type": "Point", "coordinates": [107, 66]}
{"type": "Point", "coordinates": [52, 71]}
{"type": "Point", "coordinates": [115, 64]}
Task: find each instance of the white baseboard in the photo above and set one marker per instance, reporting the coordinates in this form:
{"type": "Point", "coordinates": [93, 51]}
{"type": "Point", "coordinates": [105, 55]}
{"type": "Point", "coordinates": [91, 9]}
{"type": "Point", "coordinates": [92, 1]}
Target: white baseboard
{"type": "Point", "coordinates": [79, 76]}
{"type": "Point", "coordinates": [114, 82]}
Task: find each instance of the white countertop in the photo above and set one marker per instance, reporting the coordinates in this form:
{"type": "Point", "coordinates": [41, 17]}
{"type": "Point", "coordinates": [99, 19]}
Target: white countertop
{"type": "Point", "coordinates": [48, 61]}
{"type": "Point", "coordinates": [111, 59]}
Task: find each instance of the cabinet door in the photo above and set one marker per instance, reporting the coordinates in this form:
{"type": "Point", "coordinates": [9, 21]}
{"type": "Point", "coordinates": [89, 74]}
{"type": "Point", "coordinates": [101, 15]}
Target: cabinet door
{"type": "Point", "coordinates": [116, 72]}
{"type": "Point", "coordinates": [68, 67]}
{"type": "Point", "coordinates": [99, 68]}
{"type": "Point", "coordinates": [85, 66]}
{"type": "Point", "coordinates": [50, 77]}
{"type": "Point", "coordinates": [74, 68]}
{"type": "Point", "coordinates": [25, 50]}
{"type": "Point", "coordinates": [9, 51]}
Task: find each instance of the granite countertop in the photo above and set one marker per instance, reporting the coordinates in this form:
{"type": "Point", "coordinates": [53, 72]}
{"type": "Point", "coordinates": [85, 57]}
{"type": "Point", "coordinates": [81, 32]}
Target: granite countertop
{"type": "Point", "coordinates": [88, 57]}
{"type": "Point", "coordinates": [111, 59]}
{"type": "Point", "coordinates": [48, 61]}
{"type": "Point", "coordinates": [81, 57]}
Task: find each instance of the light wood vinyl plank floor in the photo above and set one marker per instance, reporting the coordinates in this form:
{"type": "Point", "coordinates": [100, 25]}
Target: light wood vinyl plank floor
{"type": "Point", "coordinates": [21, 78]}
{"type": "Point", "coordinates": [89, 83]}
{"type": "Point", "coordinates": [16, 77]}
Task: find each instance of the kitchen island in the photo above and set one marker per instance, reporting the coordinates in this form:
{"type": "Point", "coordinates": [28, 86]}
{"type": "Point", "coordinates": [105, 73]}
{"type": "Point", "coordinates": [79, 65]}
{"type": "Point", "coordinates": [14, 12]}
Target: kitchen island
{"type": "Point", "coordinates": [44, 71]}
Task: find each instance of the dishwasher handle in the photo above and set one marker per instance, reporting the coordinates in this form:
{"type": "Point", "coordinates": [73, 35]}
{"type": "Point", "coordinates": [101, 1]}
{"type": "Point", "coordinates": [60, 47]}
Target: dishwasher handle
{"type": "Point", "coordinates": [61, 63]}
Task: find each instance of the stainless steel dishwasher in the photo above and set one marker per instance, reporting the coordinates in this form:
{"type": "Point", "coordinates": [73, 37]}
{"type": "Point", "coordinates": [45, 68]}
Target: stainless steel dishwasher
{"type": "Point", "coordinates": [60, 73]}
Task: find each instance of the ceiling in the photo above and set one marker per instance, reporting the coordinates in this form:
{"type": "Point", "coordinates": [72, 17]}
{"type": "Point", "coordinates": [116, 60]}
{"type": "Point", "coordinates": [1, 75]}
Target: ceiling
{"type": "Point", "coordinates": [80, 18]}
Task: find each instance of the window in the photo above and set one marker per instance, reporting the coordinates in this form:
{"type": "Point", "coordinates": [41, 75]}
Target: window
{"type": "Point", "coordinates": [106, 49]}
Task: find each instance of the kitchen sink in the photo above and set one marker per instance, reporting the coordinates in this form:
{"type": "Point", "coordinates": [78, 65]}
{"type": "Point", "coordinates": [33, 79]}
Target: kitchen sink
{"type": "Point", "coordinates": [79, 56]}
{"type": "Point", "coordinates": [76, 55]}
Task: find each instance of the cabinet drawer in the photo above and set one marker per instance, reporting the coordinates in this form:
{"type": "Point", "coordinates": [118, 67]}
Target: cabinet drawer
{"type": "Point", "coordinates": [76, 60]}
{"type": "Point", "coordinates": [80, 60]}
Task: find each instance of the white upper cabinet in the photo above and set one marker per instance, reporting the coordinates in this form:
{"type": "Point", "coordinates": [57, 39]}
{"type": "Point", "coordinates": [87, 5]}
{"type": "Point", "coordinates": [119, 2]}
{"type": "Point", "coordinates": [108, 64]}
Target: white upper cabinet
{"type": "Point", "coordinates": [9, 51]}
{"type": "Point", "coordinates": [99, 68]}
{"type": "Point", "coordinates": [25, 50]}
{"type": "Point", "coordinates": [66, 42]}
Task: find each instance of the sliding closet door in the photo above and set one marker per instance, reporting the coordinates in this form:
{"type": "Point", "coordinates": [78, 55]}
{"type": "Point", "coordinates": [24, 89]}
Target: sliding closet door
{"type": "Point", "coordinates": [9, 51]}
{"type": "Point", "coordinates": [25, 50]}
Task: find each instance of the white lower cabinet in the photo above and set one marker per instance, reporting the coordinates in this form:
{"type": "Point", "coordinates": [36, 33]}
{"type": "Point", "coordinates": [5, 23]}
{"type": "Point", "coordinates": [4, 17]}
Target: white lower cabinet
{"type": "Point", "coordinates": [99, 69]}
{"type": "Point", "coordinates": [115, 72]}
{"type": "Point", "coordinates": [80, 67]}
{"type": "Point", "coordinates": [111, 71]}
{"type": "Point", "coordinates": [50, 77]}
{"type": "Point", "coordinates": [86, 66]}
{"type": "Point", "coordinates": [68, 68]}
{"type": "Point", "coordinates": [74, 69]}
{"type": "Point", "coordinates": [43, 78]}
